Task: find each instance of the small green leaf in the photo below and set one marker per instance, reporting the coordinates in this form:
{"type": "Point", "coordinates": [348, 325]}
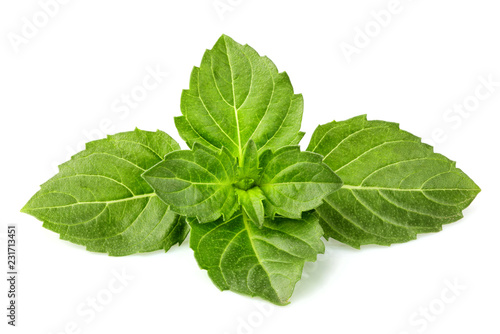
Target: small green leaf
{"type": "Point", "coordinates": [265, 262]}
{"type": "Point", "coordinates": [394, 185]}
{"type": "Point", "coordinates": [249, 164]}
{"type": "Point", "coordinates": [196, 183]}
{"type": "Point", "coordinates": [294, 181]}
{"type": "Point", "coordinates": [236, 95]}
{"type": "Point", "coordinates": [99, 200]}
{"type": "Point", "coordinates": [251, 202]}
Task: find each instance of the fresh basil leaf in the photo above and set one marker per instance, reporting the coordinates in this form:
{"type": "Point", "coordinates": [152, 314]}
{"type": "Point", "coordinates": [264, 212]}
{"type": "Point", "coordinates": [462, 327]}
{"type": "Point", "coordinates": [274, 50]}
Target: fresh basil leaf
{"type": "Point", "coordinates": [251, 202]}
{"type": "Point", "coordinates": [196, 183]}
{"type": "Point", "coordinates": [294, 181]}
{"type": "Point", "coordinates": [249, 164]}
{"type": "Point", "coordinates": [236, 95]}
{"type": "Point", "coordinates": [394, 185]}
{"type": "Point", "coordinates": [265, 262]}
{"type": "Point", "coordinates": [99, 200]}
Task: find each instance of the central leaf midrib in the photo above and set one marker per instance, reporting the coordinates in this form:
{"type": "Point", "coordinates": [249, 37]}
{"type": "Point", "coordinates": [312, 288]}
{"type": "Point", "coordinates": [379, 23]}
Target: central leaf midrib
{"type": "Point", "coordinates": [346, 186]}
{"type": "Point", "coordinates": [240, 153]}
{"type": "Point", "coordinates": [96, 202]}
{"type": "Point", "coordinates": [289, 167]}
{"type": "Point", "coordinates": [259, 260]}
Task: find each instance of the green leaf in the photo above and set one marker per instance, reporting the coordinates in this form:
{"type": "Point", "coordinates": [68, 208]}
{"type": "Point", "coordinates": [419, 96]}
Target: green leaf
{"type": "Point", "coordinates": [196, 183]}
{"type": "Point", "coordinates": [294, 181]}
{"type": "Point", "coordinates": [99, 200]}
{"type": "Point", "coordinates": [236, 95]}
{"type": "Point", "coordinates": [394, 186]}
{"type": "Point", "coordinates": [251, 202]}
{"type": "Point", "coordinates": [265, 262]}
{"type": "Point", "coordinates": [249, 164]}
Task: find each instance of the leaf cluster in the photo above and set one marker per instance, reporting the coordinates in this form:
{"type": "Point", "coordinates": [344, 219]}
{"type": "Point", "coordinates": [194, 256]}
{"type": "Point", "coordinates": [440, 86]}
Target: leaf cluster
{"type": "Point", "coordinates": [256, 206]}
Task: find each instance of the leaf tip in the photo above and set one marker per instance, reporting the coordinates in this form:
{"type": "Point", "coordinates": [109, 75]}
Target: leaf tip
{"type": "Point", "coordinates": [225, 38]}
{"type": "Point", "coordinates": [25, 209]}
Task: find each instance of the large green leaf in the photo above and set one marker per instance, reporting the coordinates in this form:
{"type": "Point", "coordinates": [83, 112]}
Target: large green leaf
{"type": "Point", "coordinates": [293, 181]}
{"type": "Point", "coordinates": [196, 183]}
{"type": "Point", "coordinates": [98, 198]}
{"type": "Point", "coordinates": [265, 262]}
{"type": "Point", "coordinates": [236, 95]}
{"type": "Point", "coordinates": [394, 186]}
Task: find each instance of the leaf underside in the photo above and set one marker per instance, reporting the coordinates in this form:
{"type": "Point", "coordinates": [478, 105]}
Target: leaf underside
{"type": "Point", "coordinates": [236, 95]}
{"type": "Point", "coordinates": [99, 200]}
{"type": "Point", "coordinates": [265, 262]}
{"type": "Point", "coordinates": [394, 185]}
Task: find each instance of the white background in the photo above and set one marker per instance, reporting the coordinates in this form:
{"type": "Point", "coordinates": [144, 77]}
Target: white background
{"type": "Point", "coordinates": [63, 81]}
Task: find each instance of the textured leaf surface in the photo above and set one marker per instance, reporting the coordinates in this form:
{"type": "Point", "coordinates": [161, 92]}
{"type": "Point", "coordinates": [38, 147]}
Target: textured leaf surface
{"type": "Point", "coordinates": [294, 181]}
{"type": "Point", "coordinates": [265, 262]}
{"type": "Point", "coordinates": [394, 186]}
{"type": "Point", "coordinates": [196, 183]}
{"type": "Point", "coordinates": [98, 198]}
{"type": "Point", "coordinates": [236, 95]}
